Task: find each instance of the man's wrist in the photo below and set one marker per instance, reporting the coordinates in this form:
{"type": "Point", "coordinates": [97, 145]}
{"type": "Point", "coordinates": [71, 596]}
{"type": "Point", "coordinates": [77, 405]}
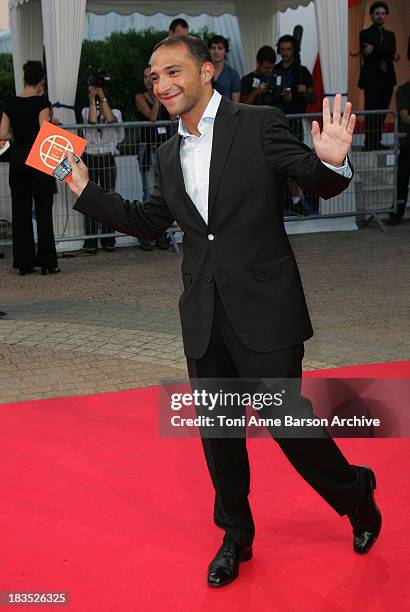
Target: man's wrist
{"type": "Point", "coordinates": [343, 170]}
{"type": "Point", "coordinates": [81, 187]}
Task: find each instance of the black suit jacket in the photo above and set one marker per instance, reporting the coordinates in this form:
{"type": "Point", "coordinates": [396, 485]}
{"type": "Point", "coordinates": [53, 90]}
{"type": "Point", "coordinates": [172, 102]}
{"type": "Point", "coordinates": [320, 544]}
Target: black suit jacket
{"type": "Point", "coordinates": [244, 251]}
{"type": "Point", "coordinates": [371, 73]}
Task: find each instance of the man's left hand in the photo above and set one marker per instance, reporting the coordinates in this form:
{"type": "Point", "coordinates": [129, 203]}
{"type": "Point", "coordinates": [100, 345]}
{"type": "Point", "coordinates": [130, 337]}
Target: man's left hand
{"type": "Point", "coordinates": [333, 143]}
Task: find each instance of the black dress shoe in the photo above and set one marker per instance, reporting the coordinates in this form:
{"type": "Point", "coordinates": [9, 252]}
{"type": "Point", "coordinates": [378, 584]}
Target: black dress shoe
{"type": "Point", "coordinates": [24, 271]}
{"type": "Point", "coordinates": [49, 270]}
{"type": "Point", "coordinates": [366, 519]}
{"type": "Point", "coordinates": [224, 567]}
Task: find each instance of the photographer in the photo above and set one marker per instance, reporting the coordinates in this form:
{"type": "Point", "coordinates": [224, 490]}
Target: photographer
{"type": "Point", "coordinates": [255, 85]}
{"type": "Point", "coordinates": [294, 82]}
{"type": "Point", "coordinates": [296, 90]}
{"type": "Point", "coordinates": [100, 151]}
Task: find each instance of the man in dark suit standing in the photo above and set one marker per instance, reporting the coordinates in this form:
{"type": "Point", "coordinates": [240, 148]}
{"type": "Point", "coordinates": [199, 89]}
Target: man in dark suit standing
{"type": "Point", "coordinates": [243, 310]}
{"type": "Point", "coordinates": [377, 75]}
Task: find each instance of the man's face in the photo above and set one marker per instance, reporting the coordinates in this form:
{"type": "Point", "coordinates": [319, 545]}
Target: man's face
{"type": "Point", "coordinates": [217, 52]}
{"type": "Point", "coordinates": [179, 31]}
{"type": "Point", "coordinates": [379, 16]}
{"type": "Point", "coordinates": [286, 51]}
{"type": "Point", "coordinates": [265, 68]}
{"type": "Point", "coordinates": [179, 81]}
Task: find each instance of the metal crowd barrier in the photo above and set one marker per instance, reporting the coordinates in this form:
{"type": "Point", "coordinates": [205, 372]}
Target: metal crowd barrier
{"type": "Point", "coordinates": [373, 189]}
{"type": "Point", "coordinates": [126, 165]}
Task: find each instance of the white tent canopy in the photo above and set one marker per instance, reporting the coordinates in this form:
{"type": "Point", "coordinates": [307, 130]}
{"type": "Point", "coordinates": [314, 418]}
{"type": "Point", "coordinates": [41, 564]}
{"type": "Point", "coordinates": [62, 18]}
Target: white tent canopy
{"type": "Point", "coordinates": [58, 25]}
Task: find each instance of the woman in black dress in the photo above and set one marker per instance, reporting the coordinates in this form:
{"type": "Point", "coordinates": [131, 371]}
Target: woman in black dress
{"type": "Point", "coordinates": [21, 121]}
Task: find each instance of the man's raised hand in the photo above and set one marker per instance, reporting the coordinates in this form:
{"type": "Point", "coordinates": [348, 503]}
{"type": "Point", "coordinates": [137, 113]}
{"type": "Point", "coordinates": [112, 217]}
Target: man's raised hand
{"type": "Point", "coordinates": [333, 143]}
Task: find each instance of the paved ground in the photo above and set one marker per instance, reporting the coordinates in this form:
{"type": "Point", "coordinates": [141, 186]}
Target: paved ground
{"type": "Point", "coordinates": [110, 321]}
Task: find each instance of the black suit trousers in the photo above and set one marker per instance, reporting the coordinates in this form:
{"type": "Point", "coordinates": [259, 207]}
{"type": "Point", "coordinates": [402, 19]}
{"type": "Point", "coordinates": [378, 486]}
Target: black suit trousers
{"type": "Point", "coordinates": [376, 96]}
{"type": "Point", "coordinates": [318, 460]}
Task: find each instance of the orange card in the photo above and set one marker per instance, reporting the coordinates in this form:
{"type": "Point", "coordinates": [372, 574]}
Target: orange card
{"type": "Point", "coordinates": [51, 146]}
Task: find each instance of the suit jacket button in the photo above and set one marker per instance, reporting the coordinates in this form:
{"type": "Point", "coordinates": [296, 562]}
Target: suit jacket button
{"type": "Point", "coordinates": [211, 236]}
{"type": "Point", "coordinates": [209, 279]}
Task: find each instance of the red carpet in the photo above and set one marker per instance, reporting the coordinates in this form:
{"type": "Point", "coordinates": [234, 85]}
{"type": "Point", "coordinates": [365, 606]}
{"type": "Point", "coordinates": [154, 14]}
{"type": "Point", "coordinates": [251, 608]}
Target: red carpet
{"type": "Point", "coordinates": [80, 513]}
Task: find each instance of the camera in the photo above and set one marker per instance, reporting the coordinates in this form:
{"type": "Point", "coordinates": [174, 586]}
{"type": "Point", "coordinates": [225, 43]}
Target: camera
{"type": "Point", "coordinates": [97, 77]}
{"type": "Point", "coordinates": [272, 95]}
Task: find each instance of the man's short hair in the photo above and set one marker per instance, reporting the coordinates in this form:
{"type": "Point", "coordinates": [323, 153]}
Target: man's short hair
{"type": "Point", "coordinates": [196, 47]}
{"type": "Point", "coordinates": [217, 39]}
{"type": "Point", "coordinates": [287, 38]}
{"type": "Point", "coordinates": [178, 22]}
{"type": "Point", "coordinates": [266, 54]}
{"type": "Point", "coordinates": [377, 5]}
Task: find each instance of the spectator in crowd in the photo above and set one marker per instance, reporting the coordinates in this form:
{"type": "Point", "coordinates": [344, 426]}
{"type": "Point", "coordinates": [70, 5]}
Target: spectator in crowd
{"type": "Point", "coordinates": [254, 86]}
{"type": "Point", "coordinates": [2, 313]}
{"type": "Point", "coordinates": [99, 154]}
{"type": "Point", "coordinates": [294, 81]}
{"type": "Point", "coordinates": [296, 90]}
{"type": "Point", "coordinates": [21, 120]}
{"type": "Point", "coordinates": [149, 107]}
{"type": "Point", "coordinates": [377, 75]}
{"type": "Point", "coordinates": [226, 80]}
{"type": "Point", "coordinates": [178, 27]}
{"type": "Point", "coordinates": [403, 162]}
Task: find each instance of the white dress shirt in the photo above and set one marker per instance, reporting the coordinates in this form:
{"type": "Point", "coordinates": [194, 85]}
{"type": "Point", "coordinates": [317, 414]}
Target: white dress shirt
{"type": "Point", "coordinates": [195, 154]}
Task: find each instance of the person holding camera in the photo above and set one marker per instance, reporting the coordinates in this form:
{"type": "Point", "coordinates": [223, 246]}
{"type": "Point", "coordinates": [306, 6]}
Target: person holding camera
{"type": "Point", "coordinates": [100, 151]}
{"type": "Point", "coordinates": [255, 85]}
{"type": "Point", "coordinates": [294, 82]}
{"type": "Point", "coordinates": [295, 89]}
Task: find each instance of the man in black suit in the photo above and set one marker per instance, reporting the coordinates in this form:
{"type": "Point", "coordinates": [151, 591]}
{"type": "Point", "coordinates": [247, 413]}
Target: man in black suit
{"type": "Point", "coordinates": [377, 75]}
{"type": "Point", "coordinates": [243, 310]}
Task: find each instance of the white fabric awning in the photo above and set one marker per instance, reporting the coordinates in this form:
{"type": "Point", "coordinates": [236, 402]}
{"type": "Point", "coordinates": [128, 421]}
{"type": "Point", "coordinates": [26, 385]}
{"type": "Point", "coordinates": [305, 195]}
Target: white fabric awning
{"type": "Point", "coordinates": [171, 7]}
{"type": "Point", "coordinates": [332, 28]}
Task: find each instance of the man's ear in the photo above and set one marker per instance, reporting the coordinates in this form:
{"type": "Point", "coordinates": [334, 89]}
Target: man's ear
{"type": "Point", "coordinates": [207, 72]}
